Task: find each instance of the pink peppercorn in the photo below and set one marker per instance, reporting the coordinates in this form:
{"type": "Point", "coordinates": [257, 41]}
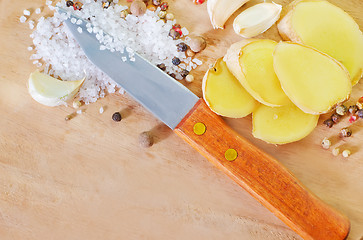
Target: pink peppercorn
{"type": "Point", "coordinates": [164, 6]}
{"type": "Point", "coordinates": [353, 118]}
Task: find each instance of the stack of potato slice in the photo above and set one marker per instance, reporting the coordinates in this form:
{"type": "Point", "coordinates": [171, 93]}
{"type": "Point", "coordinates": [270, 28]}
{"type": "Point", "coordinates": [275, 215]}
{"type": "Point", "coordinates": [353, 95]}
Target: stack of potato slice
{"type": "Point", "coordinates": [287, 85]}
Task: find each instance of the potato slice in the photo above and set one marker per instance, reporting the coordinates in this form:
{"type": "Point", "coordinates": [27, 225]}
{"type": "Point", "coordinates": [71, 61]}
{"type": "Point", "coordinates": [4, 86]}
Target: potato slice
{"type": "Point", "coordinates": [281, 125]}
{"type": "Point", "coordinates": [251, 62]}
{"type": "Point", "coordinates": [312, 80]}
{"type": "Point", "coordinates": [224, 94]}
{"type": "Point", "coordinates": [329, 29]}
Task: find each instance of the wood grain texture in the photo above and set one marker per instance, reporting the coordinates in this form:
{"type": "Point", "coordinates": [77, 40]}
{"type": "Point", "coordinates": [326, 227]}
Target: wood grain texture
{"type": "Point", "coordinates": [88, 179]}
{"type": "Point", "coordinates": [263, 177]}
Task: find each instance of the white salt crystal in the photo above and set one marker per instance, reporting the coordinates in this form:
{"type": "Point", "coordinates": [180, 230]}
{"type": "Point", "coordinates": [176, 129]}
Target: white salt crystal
{"type": "Point", "coordinates": [39, 65]}
{"type": "Point", "coordinates": [197, 61]}
{"type": "Point", "coordinates": [48, 2]}
{"type": "Point", "coordinates": [22, 19]}
{"type": "Point", "coordinates": [38, 11]}
{"type": "Point", "coordinates": [79, 29]}
{"type": "Point", "coordinates": [30, 48]}
{"type": "Point", "coordinates": [101, 110]}
{"type": "Point", "coordinates": [89, 30]}
{"type": "Point", "coordinates": [26, 12]}
{"type": "Point", "coordinates": [102, 47]}
{"type": "Point", "coordinates": [73, 20]}
{"type": "Point", "coordinates": [79, 22]}
{"type": "Point", "coordinates": [79, 112]}
{"type": "Point", "coordinates": [124, 59]}
{"type": "Point", "coordinates": [182, 65]}
{"type": "Point", "coordinates": [31, 24]}
{"type": "Point", "coordinates": [132, 59]}
{"type": "Point", "coordinates": [185, 31]}
{"type": "Point", "coordinates": [35, 62]}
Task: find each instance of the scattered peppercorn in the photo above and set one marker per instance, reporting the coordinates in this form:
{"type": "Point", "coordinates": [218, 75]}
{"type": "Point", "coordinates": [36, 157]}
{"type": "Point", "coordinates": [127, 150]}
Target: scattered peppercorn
{"type": "Point", "coordinates": [189, 78]}
{"type": "Point", "coordinates": [162, 14]}
{"type": "Point", "coordinates": [353, 118]}
{"type": "Point", "coordinates": [176, 61]}
{"type": "Point", "coordinates": [329, 123]}
{"type": "Point", "coordinates": [184, 73]}
{"type": "Point", "coordinates": [346, 132]}
{"type": "Point", "coordinates": [336, 151]}
{"type": "Point", "coordinates": [156, 2]}
{"type": "Point", "coordinates": [197, 44]}
{"type": "Point", "coordinates": [69, 3]}
{"type": "Point", "coordinates": [182, 47]}
{"type": "Point", "coordinates": [176, 26]}
{"type": "Point", "coordinates": [161, 66]}
{"type": "Point", "coordinates": [341, 110]}
{"type": "Point", "coordinates": [77, 6]}
{"type": "Point", "coordinates": [138, 8]}
{"type": "Point", "coordinates": [346, 153]}
{"type": "Point", "coordinates": [335, 117]}
{"type": "Point", "coordinates": [146, 140]}
{"type": "Point", "coordinates": [116, 117]}
{"type": "Point", "coordinates": [353, 109]}
{"type": "Point", "coordinates": [172, 75]}
{"type": "Point", "coordinates": [326, 143]}
{"type": "Point", "coordinates": [360, 113]}
{"type": "Point", "coordinates": [174, 34]}
{"type": "Point", "coordinates": [164, 6]}
{"type": "Point", "coordinates": [197, 2]}
{"type": "Point", "coordinates": [170, 16]}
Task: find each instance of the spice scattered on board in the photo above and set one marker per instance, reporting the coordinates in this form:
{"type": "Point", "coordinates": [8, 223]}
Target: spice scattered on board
{"type": "Point", "coordinates": [117, 117]}
{"type": "Point", "coordinates": [146, 139]}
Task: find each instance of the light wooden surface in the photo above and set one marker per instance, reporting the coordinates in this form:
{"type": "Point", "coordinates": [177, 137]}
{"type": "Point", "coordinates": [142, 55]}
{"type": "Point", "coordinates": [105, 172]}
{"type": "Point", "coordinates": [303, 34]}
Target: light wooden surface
{"type": "Point", "coordinates": [89, 179]}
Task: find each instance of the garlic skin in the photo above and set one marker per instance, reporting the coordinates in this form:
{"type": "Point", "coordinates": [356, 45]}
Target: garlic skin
{"type": "Point", "coordinates": [220, 10]}
{"type": "Point", "coordinates": [257, 19]}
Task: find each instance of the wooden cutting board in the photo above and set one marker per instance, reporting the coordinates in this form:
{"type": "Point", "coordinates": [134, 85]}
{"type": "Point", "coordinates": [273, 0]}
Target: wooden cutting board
{"type": "Point", "coordinates": [88, 178]}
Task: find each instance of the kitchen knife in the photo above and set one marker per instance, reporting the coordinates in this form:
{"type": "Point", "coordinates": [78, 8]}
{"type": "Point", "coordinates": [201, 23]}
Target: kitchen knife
{"type": "Point", "coordinates": [190, 118]}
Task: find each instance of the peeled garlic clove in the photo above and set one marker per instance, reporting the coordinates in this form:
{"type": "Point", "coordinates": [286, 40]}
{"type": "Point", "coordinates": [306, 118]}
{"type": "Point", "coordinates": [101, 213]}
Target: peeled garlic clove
{"type": "Point", "coordinates": [220, 10]}
{"type": "Point", "coordinates": [50, 91]}
{"type": "Point", "coordinates": [257, 19]}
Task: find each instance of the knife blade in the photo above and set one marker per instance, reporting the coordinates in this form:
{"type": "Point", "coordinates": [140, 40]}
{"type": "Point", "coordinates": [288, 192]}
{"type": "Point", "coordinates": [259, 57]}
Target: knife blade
{"type": "Point", "coordinates": [257, 172]}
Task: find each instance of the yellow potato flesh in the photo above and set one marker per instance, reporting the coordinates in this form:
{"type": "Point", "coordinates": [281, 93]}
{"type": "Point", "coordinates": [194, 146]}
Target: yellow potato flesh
{"type": "Point", "coordinates": [224, 94]}
{"type": "Point", "coordinates": [329, 29]}
{"type": "Point", "coordinates": [260, 79]}
{"type": "Point", "coordinates": [281, 125]}
{"type": "Point", "coordinates": [313, 81]}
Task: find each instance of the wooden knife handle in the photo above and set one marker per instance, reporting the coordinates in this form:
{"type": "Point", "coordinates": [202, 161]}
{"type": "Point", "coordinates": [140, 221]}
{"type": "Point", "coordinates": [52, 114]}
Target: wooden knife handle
{"type": "Point", "coordinates": [262, 176]}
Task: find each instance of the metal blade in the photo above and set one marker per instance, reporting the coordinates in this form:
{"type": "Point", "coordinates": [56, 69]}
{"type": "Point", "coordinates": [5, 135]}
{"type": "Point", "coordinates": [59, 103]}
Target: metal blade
{"type": "Point", "coordinates": [162, 95]}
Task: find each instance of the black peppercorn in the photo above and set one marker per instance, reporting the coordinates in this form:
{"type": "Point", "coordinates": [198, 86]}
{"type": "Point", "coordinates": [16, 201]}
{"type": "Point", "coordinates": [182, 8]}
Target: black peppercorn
{"type": "Point", "coordinates": [174, 34]}
{"type": "Point", "coordinates": [172, 75]}
{"type": "Point", "coordinates": [161, 66]}
{"type": "Point", "coordinates": [176, 61]}
{"type": "Point", "coordinates": [360, 113]}
{"type": "Point", "coordinates": [184, 73]}
{"type": "Point", "coordinates": [116, 117]}
{"type": "Point", "coordinates": [329, 123]}
{"type": "Point", "coordinates": [335, 117]}
{"type": "Point", "coordinates": [353, 109]}
{"type": "Point", "coordinates": [69, 3]}
{"type": "Point", "coordinates": [346, 132]}
{"type": "Point", "coordinates": [182, 47]}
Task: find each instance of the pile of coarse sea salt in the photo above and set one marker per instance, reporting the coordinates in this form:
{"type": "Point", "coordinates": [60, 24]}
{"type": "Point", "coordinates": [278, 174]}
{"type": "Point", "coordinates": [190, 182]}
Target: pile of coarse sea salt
{"type": "Point", "coordinates": [60, 55]}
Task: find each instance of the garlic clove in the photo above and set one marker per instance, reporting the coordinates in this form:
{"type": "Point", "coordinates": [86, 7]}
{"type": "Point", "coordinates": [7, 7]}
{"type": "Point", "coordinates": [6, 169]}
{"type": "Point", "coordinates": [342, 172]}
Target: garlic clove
{"type": "Point", "coordinates": [50, 91]}
{"type": "Point", "coordinates": [256, 19]}
{"type": "Point", "coordinates": [220, 10]}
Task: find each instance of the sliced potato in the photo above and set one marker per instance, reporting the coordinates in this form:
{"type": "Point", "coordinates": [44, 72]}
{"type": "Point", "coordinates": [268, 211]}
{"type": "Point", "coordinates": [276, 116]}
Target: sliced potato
{"type": "Point", "coordinates": [224, 94]}
{"type": "Point", "coordinates": [251, 62]}
{"type": "Point", "coordinates": [281, 125]}
{"type": "Point", "coordinates": [329, 29]}
{"type": "Point", "coordinates": [312, 80]}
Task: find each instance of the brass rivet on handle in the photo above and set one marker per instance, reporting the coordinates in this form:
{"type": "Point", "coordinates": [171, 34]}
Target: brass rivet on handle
{"type": "Point", "coordinates": [230, 154]}
{"type": "Point", "coordinates": [199, 128]}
